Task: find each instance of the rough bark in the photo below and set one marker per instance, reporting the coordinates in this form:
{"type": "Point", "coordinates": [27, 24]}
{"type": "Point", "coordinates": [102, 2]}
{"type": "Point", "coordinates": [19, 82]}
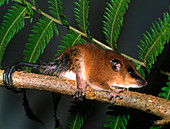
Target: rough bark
{"type": "Point", "coordinates": [144, 102]}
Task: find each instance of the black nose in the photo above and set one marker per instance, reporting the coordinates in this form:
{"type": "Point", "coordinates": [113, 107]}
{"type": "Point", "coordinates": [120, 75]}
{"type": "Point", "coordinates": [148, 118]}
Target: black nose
{"type": "Point", "coordinates": [143, 82]}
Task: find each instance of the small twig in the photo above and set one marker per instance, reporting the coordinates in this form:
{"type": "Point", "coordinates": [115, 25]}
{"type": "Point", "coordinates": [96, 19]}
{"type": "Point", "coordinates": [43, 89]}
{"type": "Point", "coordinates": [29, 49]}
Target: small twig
{"type": "Point", "coordinates": [134, 60]}
{"type": "Point", "coordinates": [147, 103]}
{"type": "Point", "coordinates": [164, 72]}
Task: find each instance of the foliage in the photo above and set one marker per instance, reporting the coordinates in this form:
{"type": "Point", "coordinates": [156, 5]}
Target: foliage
{"type": "Point", "coordinates": [153, 44]}
{"type": "Point", "coordinates": [3, 1]}
{"type": "Point", "coordinates": [42, 33]}
{"type": "Point", "coordinates": [140, 70]}
{"type": "Point", "coordinates": [78, 113]}
{"type": "Point", "coordinates": [69, 40]}
{"type": "Point", "coordinates": [158, 127]}
{"type": "Point", "coordinates": [56, 10]}
{"type": "Point", "coordinates": [118, 118]}
{"type": "Point", "coordinates": [12, 23]}
{"type": "Point", "coordinates": [114, 20]}
{"type": "Point", "coordinates": [166, 91]}
{"type": "Point", "coordinates": [81, 14]}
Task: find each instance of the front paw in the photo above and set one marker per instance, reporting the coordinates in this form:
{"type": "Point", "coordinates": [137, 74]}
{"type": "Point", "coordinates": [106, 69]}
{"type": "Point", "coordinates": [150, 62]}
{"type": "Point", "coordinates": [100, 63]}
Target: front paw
{"type": "Point", "coordinates": [115, 94]}
{"type": "Point", "coordinates": [113, 97]}
{"type": "Point", "coordinates": [79, 94]}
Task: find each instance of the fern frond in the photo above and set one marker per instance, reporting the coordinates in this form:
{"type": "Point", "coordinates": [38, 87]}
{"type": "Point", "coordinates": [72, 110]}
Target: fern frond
{"type": "Point", "coordinates": [81, 14]}
{"type": "Point", "coordinates": [12, 23]}
{"type": "Point", "coordinates": [42, 33]}
{"type": "Point", "coordinates": [157, 127]}
{"type": "Point", "coordinates": [140, 70]}
{"type": "Point", "coordinates": [166, 91]}
{"type": "Point", "coordinates": [75, 121]}
{"type": "Point", "coordinates": [118, 118]}
{"type": "Point", "coordinates": [78, 114]}
{"type": "Point", "coordinates": [153, 44]}
{"type": "Point", "coordinates": [56, 10]}
{"type": "Point", "coordinates": [69, 40]}
{"type": "Point", "coordinates": [114, 20]}
{"type": "Point", "coordinates": [117, 122]}
{"type": "Point", "coordinates": [3, 1]}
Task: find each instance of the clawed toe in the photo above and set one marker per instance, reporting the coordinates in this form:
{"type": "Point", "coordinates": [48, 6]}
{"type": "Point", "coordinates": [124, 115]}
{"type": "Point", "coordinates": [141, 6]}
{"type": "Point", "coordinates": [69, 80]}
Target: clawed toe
{"type": "Point", "coordinates": [113, 97]}
{"type": "Point", "coordinates": [78, 95]}
{"type": "Point", "coordinates": [115, 94]}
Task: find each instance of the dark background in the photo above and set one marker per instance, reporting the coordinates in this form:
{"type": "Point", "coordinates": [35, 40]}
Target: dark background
{"type": "Point", "coordinates": [137, 20]}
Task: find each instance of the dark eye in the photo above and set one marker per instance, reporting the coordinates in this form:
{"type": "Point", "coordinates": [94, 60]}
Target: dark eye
{"type": "Point", "coordinates": [131, 72]}
{"type": "Point", "coordinates": [116, 65]}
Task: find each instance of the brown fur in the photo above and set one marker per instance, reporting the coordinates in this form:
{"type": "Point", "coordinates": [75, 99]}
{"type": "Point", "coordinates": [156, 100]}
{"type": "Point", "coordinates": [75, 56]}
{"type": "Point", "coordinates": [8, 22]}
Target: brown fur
{"type": "Point", "coordinates": [92, 67]}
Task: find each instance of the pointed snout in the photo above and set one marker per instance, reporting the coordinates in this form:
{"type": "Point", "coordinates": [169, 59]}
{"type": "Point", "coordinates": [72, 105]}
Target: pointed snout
{"type": "Point", "coordinates": [142, 81]}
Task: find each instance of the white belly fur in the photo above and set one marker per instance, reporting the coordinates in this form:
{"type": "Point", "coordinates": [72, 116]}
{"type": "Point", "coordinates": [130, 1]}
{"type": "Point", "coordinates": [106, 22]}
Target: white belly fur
{"type": "Point", "coordinates": [70, 75]}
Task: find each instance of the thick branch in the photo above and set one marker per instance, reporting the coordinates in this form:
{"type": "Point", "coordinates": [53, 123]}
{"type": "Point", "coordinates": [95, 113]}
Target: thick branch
{"type": "Point", "coordinates": [147, 103]}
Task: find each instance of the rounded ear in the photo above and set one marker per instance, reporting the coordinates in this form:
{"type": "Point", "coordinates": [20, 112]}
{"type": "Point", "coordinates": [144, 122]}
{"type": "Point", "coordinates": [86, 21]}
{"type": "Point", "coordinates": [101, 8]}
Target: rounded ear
{"type": "Point", "coordinates": [116, 64]}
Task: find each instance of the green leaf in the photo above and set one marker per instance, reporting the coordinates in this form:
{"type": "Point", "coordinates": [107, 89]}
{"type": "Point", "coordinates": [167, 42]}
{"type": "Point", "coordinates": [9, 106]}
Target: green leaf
{"type": "Point", "coordinates": [118, 118]}
{"type": "Point", "coordinates": [3, 1]}
{"type": "Point", "coordinates": [78, 114]}
{"type": "Point", "coordinates": [81, 14]}
{"type": "Point", "coordinates": [114, 20]}
{"type": "Point", "coordinates": [158, 127]}
{"type": "Point", "coordinates": [69, 40]}
{"type": "Point", "coordinates": [75, 121]}
{"type": "Point", "coordinates": [40, 37]}
{"type": "Point", "coordinates": [166, 91]}
{"type": "Point", "coordinates": [140, 70]}
{"type": "Point", "coordinates": [153, 43]}
{"type": "Point", "coordinates": [12, 23]}
{"type": "Point", "coordinates": [56, 10]}
{"type": "Point", "coordinates": [34, 3]}
{"type": "Point", "coordinates": [20, 1]}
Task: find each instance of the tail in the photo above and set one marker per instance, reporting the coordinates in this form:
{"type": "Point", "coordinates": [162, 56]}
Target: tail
{"type": "Point", "coordinates": [46, 68]}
